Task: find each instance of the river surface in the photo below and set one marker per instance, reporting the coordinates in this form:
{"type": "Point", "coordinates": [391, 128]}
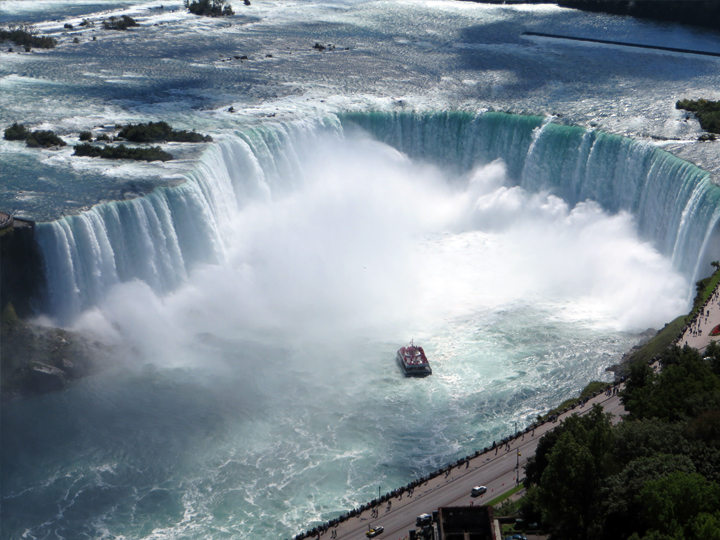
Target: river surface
{"type": "Point", "coordinates": [256, 289]}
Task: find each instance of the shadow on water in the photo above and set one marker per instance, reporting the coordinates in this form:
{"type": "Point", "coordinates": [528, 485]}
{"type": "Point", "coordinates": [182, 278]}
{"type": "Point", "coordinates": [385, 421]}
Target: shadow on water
{"type": "Point", "coordinates": [531, 64]}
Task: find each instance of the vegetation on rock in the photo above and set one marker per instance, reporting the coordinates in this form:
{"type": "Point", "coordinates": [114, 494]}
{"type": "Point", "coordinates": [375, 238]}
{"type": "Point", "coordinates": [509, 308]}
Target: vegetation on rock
{"type": "Point", "coordinates": [152, 132]}
{"type": "Point", "coordinates": [44, 139]}
{"type": "Point", "coordinates": [122, 152]}
{"type": "Point", "coordinates": [160, 132]}
{"type": "Point", "coordinates": [25, 38]}
{"type": "Point", "coordinates": [123, 23]}
{"type": "Point", "coordinates": [35, 139]}
{"type": "Point", "coordinates": [707, 112]}
{"type": "Point", "coordinates": [209, 8]}
{"type": "Point", "coordinates": [17, 132]}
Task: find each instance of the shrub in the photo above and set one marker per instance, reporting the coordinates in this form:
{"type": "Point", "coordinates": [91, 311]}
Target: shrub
{"type": "Point", "coordinates": [44, 139]}
{"type": "Point", "coordinates": [123, 23]}
{"type": "Point", "coordinates": [85, 136]}
{"type": "Point", "coordinates": [209, 8]}
{"type": "Point", "coordinates": [16, 132]}
{"type": "Point", "coordinates": [707, 112]}
{"type": "Point", "coordinates": [23, 37]}
{"type": "Point", "coordinates": [87, 150]}
{"type": "Point", "coordinates": [123, 152]}
{"type": "Point", "coordinates": [36, 139]}
{"type": "Point", "coordinates": [103, 137]}
{"type": "Point", "coordinates": [160, 132]}
{"type": "Point", "coordinates": [68, 26]}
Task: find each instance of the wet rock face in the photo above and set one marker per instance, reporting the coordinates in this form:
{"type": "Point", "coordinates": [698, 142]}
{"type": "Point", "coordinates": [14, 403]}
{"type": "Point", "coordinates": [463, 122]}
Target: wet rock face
{"type": "Point", "coordinates": [41, 378]}
{"type": "Point", "coordinates": [36, 360]}
{"type": "Point", "coordinates": [21, 268]}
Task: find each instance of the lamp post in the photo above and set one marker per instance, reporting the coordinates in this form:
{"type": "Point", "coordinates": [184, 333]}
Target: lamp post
{"type": "Point", "coordinates": [517, 460]}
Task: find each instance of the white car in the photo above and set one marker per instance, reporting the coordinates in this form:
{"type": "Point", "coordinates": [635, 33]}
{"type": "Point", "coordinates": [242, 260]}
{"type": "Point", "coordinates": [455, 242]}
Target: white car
{"type": "Point", "coordinates": [423, 519]}
{"type": "Point", "coordinates": [478, 490]}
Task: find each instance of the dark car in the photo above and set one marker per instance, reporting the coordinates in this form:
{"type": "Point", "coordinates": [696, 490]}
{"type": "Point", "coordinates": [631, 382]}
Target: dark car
{"type": "Point", "coordinates": [374, 531]}
{"type": "Point", "coordinates": [478, 490]}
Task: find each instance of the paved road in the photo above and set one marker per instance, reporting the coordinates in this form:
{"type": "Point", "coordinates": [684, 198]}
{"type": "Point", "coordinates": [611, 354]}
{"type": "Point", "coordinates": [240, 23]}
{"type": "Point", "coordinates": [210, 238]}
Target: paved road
{"type": "Point", "coordinates": [495, 469]}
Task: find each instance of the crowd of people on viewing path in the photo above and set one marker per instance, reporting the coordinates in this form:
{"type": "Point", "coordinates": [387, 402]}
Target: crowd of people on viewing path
{"type": "Point", "coordinates": [699, 331]}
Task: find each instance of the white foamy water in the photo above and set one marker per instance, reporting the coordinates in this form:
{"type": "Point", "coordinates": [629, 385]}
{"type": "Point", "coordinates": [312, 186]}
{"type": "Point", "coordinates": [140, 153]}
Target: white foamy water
{"type": "Point", "coordinates": [256, 308]}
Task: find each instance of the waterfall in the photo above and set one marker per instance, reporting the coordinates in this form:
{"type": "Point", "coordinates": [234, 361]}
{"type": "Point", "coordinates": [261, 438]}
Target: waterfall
{"type": "Point", "coordinates": [676, 204]}
{"type": "Point", "coordinates": [159, 238]}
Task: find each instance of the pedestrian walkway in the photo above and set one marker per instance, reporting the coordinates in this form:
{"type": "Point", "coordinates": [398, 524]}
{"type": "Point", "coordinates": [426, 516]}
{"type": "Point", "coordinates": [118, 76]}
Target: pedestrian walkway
{"type": "Point", "coordinates": [697, 333]}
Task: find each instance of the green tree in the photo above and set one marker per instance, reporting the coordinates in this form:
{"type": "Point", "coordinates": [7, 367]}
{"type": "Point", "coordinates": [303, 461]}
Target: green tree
{"type": "Point", "coordinates": [685, 387]}
{"type": "Point", "coordinates": [568, 491]}
{"type": "Point", "coordinates": [537, 464]}
{"type": "Point", "coordinates": [17, 132]}
{"type": "Point", "coordinates": [644, 438]}
{"type": "Point", "coordinates": [706, 526]}
{"type": "Point", "coordinates": [619, 493]}
{"type": "Point", "coordinates": [672, 504]}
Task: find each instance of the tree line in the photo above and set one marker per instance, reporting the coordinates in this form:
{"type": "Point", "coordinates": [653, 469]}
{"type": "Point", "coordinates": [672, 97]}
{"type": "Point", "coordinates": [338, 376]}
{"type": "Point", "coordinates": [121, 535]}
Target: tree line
{"type": "Point", "coordinates": [653, 476]}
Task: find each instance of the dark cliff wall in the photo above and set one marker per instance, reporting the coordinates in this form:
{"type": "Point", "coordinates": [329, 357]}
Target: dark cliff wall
{"type": "Point", "coordinates": [704, 13]}
{"type": "Point", "coordinates": [21, 268]}
{"type": "Point", "coordinates": [696, 12]}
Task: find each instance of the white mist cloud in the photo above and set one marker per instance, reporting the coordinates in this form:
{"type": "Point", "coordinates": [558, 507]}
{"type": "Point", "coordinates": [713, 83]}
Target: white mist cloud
{"type": "Point", "coordinates": [373, 244]}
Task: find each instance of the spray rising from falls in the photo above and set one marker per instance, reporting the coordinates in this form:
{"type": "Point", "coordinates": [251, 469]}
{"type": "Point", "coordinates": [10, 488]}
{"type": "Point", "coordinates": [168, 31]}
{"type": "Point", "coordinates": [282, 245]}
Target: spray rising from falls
{"type": "Point", "coordinates": [161, 238]}
{"type": "Point", "coordinates": [676, 205]}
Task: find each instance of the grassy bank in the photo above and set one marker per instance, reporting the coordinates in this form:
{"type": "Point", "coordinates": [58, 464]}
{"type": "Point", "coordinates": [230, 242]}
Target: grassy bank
{"type": "Point", "coordinates": [592, 388]}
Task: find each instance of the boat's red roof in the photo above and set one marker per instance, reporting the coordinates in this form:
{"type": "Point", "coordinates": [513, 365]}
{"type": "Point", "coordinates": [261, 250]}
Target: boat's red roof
{"type": "Point", "coordinates": [412, 354]}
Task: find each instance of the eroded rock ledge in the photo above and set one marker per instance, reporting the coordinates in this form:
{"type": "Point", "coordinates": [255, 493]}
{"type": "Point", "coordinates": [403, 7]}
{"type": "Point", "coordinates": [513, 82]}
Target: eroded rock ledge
{"type": "Point", "coordinates": [35, 359]}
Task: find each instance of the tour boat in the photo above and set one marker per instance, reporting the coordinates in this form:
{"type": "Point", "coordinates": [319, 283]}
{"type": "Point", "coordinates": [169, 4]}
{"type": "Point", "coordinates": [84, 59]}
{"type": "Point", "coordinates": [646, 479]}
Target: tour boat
{"type": "Point", "coordinates": [413, 361]}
